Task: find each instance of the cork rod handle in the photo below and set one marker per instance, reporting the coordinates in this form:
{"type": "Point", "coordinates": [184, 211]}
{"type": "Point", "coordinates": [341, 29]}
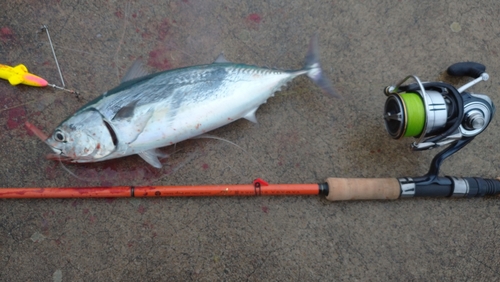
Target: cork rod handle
{"type": "Point", "coordinates": [345, 189]}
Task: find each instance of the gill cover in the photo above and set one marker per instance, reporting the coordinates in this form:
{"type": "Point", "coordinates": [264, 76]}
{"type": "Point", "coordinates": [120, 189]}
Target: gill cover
{"type": "Point", "coordinates": [84, 137]}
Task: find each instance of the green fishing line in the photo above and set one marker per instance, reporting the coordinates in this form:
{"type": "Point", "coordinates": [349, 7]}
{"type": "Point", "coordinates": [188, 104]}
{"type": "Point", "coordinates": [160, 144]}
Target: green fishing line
{"type": "Point", "coordinates": [415, 114]}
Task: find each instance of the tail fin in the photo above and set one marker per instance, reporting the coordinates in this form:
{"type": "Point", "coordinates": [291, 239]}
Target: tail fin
{"type": "Point", "coordinates": [314, 71]}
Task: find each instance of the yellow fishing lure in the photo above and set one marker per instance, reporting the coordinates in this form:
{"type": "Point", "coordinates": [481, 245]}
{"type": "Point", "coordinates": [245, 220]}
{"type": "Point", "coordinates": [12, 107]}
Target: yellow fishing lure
{"type": "Point", "coordinates": [20, 75]}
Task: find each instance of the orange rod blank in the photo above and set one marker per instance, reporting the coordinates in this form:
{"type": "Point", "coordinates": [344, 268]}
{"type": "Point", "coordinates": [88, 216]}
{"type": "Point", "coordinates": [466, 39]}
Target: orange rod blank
{"type": "Point", "coordinates": [162, 191]}
{"type": "Point", "coordinates": [226, 190]}
{"type": "Point", "coordinates": [87, 192]}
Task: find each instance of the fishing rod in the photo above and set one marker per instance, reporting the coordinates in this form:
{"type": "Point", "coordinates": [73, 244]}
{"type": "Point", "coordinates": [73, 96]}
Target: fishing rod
{"type": "Point", "coordinates": [435, 113]}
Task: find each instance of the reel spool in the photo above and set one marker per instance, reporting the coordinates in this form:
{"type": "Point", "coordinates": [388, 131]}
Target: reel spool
{"type": "Point", "coordinates": [406, 114]}
{"type": "Point", "coordinates": [436, 113]}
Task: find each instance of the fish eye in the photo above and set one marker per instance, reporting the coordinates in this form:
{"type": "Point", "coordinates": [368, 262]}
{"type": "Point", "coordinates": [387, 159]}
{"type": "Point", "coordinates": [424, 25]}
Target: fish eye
{"type": "Point", "coordinates": [59, 136]}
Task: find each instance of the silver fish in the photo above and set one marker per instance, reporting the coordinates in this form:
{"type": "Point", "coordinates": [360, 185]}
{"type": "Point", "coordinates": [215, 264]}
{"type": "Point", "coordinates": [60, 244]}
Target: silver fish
{"type": "Point", "coordinates": [146, 112]}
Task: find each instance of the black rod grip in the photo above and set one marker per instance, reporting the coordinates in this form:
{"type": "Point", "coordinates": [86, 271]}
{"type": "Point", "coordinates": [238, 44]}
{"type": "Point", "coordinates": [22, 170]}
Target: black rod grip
{"type": "Point", "coordinates": [442, 187]}
{"type": "Point", "coordinates": [480, 187]}
{"type": "Point", "coordinates": [470, 69]}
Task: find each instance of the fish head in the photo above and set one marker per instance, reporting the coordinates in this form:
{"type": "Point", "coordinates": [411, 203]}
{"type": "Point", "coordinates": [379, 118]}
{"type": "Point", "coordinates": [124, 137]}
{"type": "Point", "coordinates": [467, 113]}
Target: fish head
{"type": "Point", "coordinates": [84, 137]}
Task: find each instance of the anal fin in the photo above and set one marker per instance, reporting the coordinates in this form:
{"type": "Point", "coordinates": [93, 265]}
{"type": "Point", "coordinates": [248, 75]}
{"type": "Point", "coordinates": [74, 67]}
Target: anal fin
{"type": "Point", "coordinates": [151, 157]}
{"type": "Point", "coordinates": [250, 116]}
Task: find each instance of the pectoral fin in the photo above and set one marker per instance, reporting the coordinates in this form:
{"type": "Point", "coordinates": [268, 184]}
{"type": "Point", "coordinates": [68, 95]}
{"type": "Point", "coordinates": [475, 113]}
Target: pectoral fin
{"type": "Point", "coordinates": [128, 129]}
{"type": "Point", "coordinates": [126, 112]}
{"type": "Point", "coordinates": [151, 157]}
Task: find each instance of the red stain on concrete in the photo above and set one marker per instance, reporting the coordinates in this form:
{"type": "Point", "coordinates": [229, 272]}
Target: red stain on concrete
{"type": "Point", "coordinates": [52, 171]}
{"type": "Point", "coordinates": [158, 60]}
{"type": "Point", "coordinates": [265, 209]}
{"type": "Point", "coordinates": [141, 209]}
{"type": "Point", "coordinates": [6, 34]}
{"type": "Point", "coordinates": [111, 172]}
{"type": "Point", "coordinates": [7, 98]}
{"type": "Point", "coordinates": [255, 18]}
{"type": "Point", "coordinates": [253, 21]}
{"type": "Point", "coordinates": [119, 14]}
{"type": "Point", "coordinates": [163, 29]}
{"type": "Point", "coordinates": [205, 166]}
{"type": "Point", "coordinates": [146, 35]}
{"type": "Point", "coordinates": [17, 116]}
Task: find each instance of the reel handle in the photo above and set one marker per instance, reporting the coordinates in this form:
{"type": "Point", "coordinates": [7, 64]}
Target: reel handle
{"type": "Point", "coordinates": [470, 69]}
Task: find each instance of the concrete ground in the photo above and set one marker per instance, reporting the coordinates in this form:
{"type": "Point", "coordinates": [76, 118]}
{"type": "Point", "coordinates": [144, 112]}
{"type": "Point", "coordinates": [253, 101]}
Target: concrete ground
{"type": "Point", "coordinates": [303, 136]}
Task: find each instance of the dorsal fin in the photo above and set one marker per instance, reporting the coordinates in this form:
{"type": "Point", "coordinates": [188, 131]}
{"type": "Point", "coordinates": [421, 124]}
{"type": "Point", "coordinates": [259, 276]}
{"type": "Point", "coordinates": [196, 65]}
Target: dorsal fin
{"type": "Point", "coordinates": [135, 71]}
{"type": "Point", "coordinates": [221, 59]}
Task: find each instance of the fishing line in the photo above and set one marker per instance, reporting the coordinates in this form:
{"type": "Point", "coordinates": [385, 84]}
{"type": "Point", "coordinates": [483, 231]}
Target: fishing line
{"type": "Point", "coordinates": [415, 114]}
{"type": "Point", "coordinates": [77, 94]}
{"type": "Point", "coordinates": [208, 136]}
{"type": "Point", "coordinates": [71, 173]}
{"type": "Point", "coordinates": [46, 29]}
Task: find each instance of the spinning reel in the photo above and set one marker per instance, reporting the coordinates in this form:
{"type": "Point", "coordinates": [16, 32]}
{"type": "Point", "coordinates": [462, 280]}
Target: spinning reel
{"type": "Point", "coordinates": [437, 114]}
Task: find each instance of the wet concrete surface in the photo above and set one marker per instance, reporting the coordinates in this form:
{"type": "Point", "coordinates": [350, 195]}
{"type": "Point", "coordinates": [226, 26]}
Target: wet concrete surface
{"type": "Point", "coordinates": [302, 136]}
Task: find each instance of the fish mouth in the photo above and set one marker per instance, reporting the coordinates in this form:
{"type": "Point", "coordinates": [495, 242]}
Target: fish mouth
{"type": "Point", "coordinates": [44, 137]}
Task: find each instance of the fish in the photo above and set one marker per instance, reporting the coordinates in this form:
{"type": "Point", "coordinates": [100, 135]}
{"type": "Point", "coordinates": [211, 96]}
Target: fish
{"type": "Point", "coordinates": [146, 112]}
